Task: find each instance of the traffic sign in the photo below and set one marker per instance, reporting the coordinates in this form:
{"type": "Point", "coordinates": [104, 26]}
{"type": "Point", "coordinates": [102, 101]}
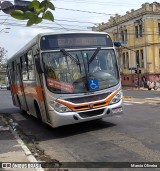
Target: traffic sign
{"type": "Point", "coordinates": [132, 68]}
{"type": "Point", "coordinates": [123, 43]}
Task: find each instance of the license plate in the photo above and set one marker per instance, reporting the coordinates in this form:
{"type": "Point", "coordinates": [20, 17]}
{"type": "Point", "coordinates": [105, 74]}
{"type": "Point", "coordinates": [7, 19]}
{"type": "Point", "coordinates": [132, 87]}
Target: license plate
{"type": "Point", "coordinates": [117, 110]}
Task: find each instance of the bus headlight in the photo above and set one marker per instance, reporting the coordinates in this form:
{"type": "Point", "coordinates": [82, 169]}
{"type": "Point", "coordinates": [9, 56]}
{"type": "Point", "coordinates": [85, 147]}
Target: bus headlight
{"type": "Point", "coordinates": [59, 107]}
{"type": "Point", "coordinates": [116, 98]}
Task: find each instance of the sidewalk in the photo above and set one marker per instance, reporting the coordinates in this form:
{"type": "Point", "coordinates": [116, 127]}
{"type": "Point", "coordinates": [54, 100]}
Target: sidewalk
{"type": "Point", "coordinates": [134, 88]}
{"type": "Point", "coordinates": [12, 148]}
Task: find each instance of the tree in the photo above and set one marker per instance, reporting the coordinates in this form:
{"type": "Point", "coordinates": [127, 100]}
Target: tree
{"type": "Point", "coordinates": [34, 12]}
{"type": "Point", "coordinates": [3, 56]}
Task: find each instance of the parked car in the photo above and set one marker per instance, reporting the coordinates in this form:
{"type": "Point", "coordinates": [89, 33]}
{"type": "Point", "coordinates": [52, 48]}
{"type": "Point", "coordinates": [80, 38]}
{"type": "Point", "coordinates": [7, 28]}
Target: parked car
{"type": "Point", "coordinates": [3, 86]}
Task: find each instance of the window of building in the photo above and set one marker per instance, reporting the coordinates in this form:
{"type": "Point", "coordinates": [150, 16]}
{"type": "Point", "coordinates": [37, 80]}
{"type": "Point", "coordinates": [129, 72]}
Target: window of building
{"type": "Point", "coordinates": [125, 33]}
{"type": "Point", "coordinates": [159, 29]}
{"type": "Point", "coordinates": [159, 58]}
{"type": "Point", "coordinates": [137, 58]}
{"type": "Point", "coordinates": [124, 64]}
{"type": "Point", "coordinates": [140, 30]}
{"type": "Point", "coordinates": [122, 35]}
{"type": "Point", "coordinates": [127, 60]}
{"type": "Point", "coordinates": [136, 31]}
{"type": "Point", "coordinates": [141, 59]}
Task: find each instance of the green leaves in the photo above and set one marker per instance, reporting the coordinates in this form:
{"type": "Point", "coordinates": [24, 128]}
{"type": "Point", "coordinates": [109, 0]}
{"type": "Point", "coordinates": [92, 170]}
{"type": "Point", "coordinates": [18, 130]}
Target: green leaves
{"type": "Point", "coordinates": [34, 20]}
{"type": "Point", "coordinates": [18, 14]}
{"type": "Point", "coordinates": [50, 5]}
{"type": "Point", "coordinates": [37, 11]}
{"type": "Point", "coordinates": [34, 4]}
{"type": "Point", "coordinates": [48, 16]}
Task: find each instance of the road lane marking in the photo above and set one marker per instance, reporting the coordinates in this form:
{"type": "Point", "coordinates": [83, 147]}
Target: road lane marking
{"type": "Point", "coordinates": [154, 98]}
{"type": "Point", "coordinates": [133, 102]}
{"type": "Point", "coordinates": [127, 104]}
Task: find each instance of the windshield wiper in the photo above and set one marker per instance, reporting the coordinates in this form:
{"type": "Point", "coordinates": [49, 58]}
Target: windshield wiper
{"type": "Point", "coordinates": [68, 54]}
{"type": "Point", "coordinates": [94, 55]}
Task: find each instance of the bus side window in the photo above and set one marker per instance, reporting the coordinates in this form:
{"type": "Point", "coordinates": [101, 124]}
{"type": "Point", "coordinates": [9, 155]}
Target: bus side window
{"type": "Point", "coordinates": [31, 69]}
{"type": "Point", "coordinates": [13, 72]}
{"type": "Point", "coordinates": [24, 68]}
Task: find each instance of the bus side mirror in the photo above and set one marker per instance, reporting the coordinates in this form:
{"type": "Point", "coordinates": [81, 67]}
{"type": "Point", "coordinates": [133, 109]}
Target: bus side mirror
{"type": "Point", "coordinates": [117, 44]}
{"type": "Point", "coordinates": [38, 66]}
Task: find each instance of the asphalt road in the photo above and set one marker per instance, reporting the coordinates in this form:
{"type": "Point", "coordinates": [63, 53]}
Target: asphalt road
{"type": "Point", "coordinates": [131, 137]}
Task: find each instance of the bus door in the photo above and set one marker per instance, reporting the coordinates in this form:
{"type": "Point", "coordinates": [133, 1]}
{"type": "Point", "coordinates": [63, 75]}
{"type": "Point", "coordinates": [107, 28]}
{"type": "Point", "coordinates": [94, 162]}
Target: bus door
{"type": "Point", "coordinates": [21, 94]}
{"type": "Point", "coordinates": [11, 80]}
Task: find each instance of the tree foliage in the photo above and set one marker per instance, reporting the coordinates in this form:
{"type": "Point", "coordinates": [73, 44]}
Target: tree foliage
{"type": "Point", "coordinates": [37, 11]}
{"type": "Point", "coordinates": [3, 55]}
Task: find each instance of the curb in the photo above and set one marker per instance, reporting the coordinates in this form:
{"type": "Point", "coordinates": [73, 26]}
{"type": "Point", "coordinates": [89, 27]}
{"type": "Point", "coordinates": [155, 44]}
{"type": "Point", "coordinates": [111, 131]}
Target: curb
{"type": "Point", "coordinates": [27, 152]}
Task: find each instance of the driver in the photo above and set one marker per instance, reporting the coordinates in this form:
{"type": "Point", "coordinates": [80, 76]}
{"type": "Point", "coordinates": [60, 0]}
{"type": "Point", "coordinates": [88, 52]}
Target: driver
{"type": "Point", "coordinates": [94, 66]}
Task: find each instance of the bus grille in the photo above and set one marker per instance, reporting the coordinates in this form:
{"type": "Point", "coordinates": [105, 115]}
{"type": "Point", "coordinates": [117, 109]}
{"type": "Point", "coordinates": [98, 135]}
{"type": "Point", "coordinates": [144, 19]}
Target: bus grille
{"type": "Point", "coordinates": [91, 113]}
{"type": "Point", "coordinates": [89, 98]}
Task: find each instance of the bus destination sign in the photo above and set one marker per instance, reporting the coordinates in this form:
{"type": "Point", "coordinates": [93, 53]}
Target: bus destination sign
{"type": "Point", "coordinates": [49, 42]}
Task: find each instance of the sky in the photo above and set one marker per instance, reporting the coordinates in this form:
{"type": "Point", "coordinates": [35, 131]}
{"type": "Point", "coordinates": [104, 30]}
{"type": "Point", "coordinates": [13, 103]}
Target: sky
{"type": "Point", "coordinates": [69, 15]}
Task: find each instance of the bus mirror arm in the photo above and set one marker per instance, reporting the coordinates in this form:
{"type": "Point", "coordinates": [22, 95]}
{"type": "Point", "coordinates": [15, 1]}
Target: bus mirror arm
{"type": "Point", "coordinates": [38, 66]}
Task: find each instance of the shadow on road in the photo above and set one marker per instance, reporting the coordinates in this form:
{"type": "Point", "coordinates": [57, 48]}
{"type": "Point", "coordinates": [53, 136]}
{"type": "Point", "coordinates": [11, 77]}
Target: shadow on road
{"type": "Point", "coordinates": [9, 110]}
{"type": "Point", "coordinates": [32, 126]}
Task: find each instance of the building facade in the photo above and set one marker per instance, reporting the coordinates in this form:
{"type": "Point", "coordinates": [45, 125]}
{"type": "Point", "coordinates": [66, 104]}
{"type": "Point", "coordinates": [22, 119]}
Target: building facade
{"type": "Point", "coordinates": [139, 33]}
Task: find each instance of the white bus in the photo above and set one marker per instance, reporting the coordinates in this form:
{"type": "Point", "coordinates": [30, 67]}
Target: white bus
{"type": "Point", "coordinates": [67, 78]}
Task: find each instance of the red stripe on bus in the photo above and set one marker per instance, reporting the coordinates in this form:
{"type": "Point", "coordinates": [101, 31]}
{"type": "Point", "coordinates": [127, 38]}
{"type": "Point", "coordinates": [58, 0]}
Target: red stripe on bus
{"type": "Point", "coordinates": [34, 92]}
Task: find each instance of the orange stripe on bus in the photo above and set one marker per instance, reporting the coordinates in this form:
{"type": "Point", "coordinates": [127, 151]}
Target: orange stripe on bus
{"type": "Point", "coordinates": [34, 92]}
{"type": "Point", "coordinates": [39, 90]}
{"type": "Point", "coordinates": [87, 106]}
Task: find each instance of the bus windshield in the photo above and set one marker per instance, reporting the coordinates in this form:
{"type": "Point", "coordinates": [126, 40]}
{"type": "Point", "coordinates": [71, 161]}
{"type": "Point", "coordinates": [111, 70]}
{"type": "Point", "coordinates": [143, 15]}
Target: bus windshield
{"type": "Point", "coordinates": [80, 71]}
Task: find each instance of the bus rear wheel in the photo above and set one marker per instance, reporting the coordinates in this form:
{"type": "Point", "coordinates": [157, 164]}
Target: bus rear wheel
{"type": "Point", "coordinates": [20, 106]}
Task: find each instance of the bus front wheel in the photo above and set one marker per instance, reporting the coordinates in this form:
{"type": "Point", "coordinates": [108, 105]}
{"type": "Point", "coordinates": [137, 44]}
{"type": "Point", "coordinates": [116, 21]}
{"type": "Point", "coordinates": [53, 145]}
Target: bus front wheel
{"type": "Point", "coordinates": [37, 110]}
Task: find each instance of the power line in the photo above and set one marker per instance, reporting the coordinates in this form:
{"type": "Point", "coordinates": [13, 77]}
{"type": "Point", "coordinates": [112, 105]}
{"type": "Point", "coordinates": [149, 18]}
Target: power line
{"type": "Point", "coordinates": [92, 12]}
{"type": "Point", "coordinates": [64, 19]}
{"type": "Point", "coordinates": [101, 3]}
{"type": "Point", "coordinates": [75, 21]}
{"type": "Point", "coordinates": [61, 25]}
{"type": "Point", "coordinates": [42, 27]}
{"type": "Point", "coordinates": [47, 27]}
{"type": "Point", "coordinates": [68, 25]}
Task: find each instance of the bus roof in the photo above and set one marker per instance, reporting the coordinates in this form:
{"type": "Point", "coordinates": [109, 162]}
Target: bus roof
{"type": "Point", "coordinates": [36, 38]}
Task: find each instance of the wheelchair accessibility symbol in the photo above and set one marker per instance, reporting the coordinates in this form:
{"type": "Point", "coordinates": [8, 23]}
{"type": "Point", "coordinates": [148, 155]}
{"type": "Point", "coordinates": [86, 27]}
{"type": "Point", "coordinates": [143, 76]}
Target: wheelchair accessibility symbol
{"type": "Point", "coordinates": [93, 85]}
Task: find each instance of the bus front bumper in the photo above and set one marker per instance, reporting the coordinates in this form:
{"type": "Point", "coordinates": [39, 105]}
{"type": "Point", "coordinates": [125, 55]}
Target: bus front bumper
{"type": "Point", "coordinates": [60, 119]}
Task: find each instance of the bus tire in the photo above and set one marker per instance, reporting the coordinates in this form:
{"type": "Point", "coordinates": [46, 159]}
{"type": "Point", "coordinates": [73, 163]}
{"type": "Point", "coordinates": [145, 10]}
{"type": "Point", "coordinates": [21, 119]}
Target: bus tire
{"type": "Point", "coordinates": [20, 106]}
{"type": "Point", "coordinates": [37, 110]}
{"type": "Point", "coordinates": [39, 117]}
